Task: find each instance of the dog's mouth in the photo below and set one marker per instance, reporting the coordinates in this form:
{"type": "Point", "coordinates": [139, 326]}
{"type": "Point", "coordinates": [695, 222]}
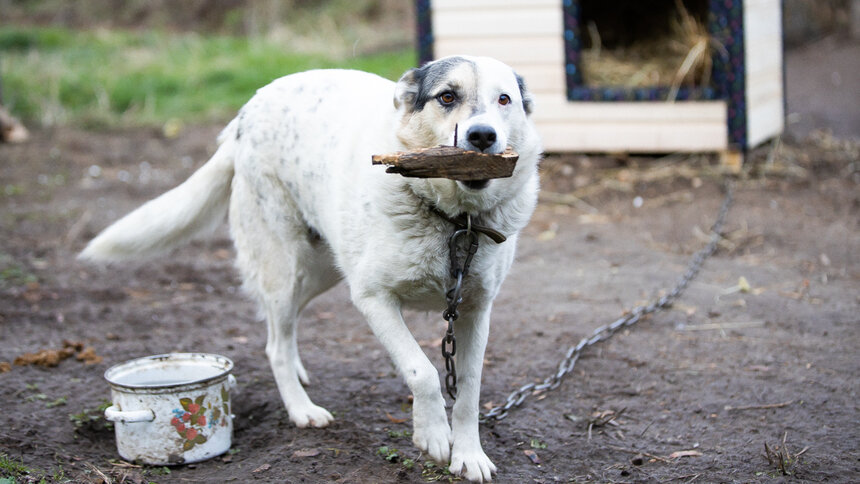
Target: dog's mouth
{"type": "Point", "coordinates": [476, 184]}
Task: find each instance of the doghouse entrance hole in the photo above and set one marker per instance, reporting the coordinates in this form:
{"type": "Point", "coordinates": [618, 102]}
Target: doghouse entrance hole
{"type": "Point", "coordinates": [631, 43]}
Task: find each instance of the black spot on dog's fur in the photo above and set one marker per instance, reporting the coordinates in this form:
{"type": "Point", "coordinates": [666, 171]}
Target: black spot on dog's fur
{"type": "Point", "coordinates": [313, 235]}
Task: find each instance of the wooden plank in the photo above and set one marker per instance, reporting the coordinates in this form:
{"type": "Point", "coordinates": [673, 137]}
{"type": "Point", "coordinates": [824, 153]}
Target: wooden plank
{"type": "Point", "coordinates": [556, 107]}
{"type": "Point", "coordinates": [764, 122]}
{"type": "Point", "coordinates": [762, 20]}
{"type": "Point", "coordinates": [512, 51]}
{"type": "Point", "coordinates": [763, 89]}
{"type": "Point", "coordinates": [449, 162]}
{"type": "Point", "coordinates": [732, 160]}
{"type": "Point", "coordinates": [767, 66]}
{"type": "Point", "coordinates": [764, 70]}
{"type": "Point", "coordinates": [767, 53]}
{"type": "Point", "coordinates": [639, 137]}
{"type": "Point", "coordinates": [11, 130]}
{"type": "Point", "coordinates": [480, 22]}
{"type": "Point", "coordinates": [752, 4]}
{"type": "Point", "coordinates": [543, 78]}
{"type": "Point", "coordinates": [763, 26]}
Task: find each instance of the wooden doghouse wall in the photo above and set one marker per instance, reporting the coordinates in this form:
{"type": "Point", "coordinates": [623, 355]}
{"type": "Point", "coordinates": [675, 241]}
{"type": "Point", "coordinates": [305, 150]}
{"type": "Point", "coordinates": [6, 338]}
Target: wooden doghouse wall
{"type": "Point", "coordinates": [764, 70]}
{"type": "Point", "coordinates": [529, 35]}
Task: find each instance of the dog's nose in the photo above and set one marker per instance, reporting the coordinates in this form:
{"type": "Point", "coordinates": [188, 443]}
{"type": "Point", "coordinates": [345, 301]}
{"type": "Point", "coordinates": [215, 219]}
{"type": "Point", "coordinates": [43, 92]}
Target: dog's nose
{"type": "Point", "coordinates": [481, 136]}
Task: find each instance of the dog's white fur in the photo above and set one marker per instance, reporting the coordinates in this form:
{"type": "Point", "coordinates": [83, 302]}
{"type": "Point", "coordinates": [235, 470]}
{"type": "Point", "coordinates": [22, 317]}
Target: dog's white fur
{"type": "Point", "coordinates": [307, 208]}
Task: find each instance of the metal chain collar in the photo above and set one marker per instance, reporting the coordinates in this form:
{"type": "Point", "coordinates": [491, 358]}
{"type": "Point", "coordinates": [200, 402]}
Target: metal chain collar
{"type": "Point", "coordinates": [462, 246]}
{"type": "Point", "coordinates": [516, 398]}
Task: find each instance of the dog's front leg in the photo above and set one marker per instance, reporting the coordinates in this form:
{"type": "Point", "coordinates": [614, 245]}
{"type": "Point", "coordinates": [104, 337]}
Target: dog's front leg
{"type": "Point", "coordinates": [467, 456]}
{"type": "Point", "coordinates": [431, 432]}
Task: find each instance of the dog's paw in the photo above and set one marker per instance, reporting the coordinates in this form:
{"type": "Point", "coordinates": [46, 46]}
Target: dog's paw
{"type": "Point", "coordinates": [431, 432]}
{"type": "Point", "coordinates": [435, 441]}
{"type": "Point", "coordinates": [472, 463]}
{"type": "Point", "coordinates": [310, 416]}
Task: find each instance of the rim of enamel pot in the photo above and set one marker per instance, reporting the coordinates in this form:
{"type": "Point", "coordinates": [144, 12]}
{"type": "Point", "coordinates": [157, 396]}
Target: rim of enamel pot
{"type": "Point", "coordinates": [137, 374]}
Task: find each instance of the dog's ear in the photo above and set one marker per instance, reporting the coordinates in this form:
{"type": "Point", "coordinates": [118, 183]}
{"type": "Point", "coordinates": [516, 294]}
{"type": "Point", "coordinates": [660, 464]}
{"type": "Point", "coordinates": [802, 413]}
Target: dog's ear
{"type": "Point", "coordinates": [406, 91]}
{"type": "Point", "coordinates": [528, 102]}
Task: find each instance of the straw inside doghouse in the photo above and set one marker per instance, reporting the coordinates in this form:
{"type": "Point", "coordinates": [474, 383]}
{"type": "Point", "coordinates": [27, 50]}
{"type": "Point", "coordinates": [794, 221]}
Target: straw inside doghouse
{"type": "Point", "coordinates": [677, 52]}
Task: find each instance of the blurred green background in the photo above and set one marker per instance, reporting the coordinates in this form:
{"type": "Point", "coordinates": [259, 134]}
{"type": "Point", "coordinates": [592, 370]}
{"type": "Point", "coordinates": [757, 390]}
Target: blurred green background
{"type": "Point", "coordinates": [100, 63]}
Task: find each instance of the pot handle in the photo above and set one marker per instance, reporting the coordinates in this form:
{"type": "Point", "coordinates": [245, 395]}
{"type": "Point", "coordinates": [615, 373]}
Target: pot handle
{"type": "Point", "coordinates": [114, 414]}
{"type": "Point", "coordinates": [231, 384]}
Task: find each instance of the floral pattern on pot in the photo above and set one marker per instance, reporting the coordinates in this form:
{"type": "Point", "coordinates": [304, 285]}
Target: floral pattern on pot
{"type": "Point", "coordinates": [191, 421]}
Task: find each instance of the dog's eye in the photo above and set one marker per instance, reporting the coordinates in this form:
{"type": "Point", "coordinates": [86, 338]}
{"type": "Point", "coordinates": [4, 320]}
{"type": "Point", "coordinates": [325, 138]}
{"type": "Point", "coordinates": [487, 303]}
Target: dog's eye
{"type": "Point", "coordinates": [504, 99]}
{"type": "Point", "coordinates": [447, 98]}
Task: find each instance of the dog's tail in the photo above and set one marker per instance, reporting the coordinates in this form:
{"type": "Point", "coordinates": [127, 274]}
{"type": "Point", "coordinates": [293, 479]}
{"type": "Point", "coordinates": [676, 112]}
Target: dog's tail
{"type": "Point", "coordinates": [194, 208]}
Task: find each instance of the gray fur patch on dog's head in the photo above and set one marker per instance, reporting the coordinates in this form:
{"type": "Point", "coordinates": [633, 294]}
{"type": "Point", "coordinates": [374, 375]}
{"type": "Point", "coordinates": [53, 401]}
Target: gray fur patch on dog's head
{"type": "Point", "coordinates": [416, 86]}
{"type": "Point", "coordinates": [528, 103]}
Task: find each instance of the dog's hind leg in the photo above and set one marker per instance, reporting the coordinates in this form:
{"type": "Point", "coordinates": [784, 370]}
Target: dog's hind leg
{"type": "Point", "coordinates": [284, 265]}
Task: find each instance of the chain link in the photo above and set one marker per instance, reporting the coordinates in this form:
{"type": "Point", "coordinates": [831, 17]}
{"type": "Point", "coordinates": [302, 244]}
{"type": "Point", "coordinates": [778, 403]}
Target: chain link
{"type": "Point", "coordinates": [462, 246]}
{"type": "Point", "coordinates": [517, 397]}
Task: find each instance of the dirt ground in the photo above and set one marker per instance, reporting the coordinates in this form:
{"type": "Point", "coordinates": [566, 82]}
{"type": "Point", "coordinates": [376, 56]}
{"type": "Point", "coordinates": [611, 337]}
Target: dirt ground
{"type": "Point", "coordinates": [691, 394]}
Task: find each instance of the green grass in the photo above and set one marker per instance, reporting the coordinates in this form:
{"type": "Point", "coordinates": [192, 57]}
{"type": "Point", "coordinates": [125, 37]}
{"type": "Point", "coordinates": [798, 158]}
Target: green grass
{"type": "Point", "coordinates": [12, 274]}
{"type": "Point", "coordinates": [10, 469]}
{"type": "Point", "coordinates": [101, 78]}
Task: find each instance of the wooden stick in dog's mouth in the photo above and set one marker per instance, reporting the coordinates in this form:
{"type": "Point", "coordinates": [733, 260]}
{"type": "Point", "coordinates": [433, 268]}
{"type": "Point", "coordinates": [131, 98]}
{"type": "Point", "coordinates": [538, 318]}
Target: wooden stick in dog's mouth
{"type": "Point", "coordinates": [449, 162]}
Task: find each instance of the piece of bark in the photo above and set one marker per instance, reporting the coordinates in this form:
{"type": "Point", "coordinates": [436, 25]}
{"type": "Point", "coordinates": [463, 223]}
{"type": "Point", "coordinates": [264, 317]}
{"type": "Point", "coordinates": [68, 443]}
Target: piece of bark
{"type": "Point", "coordinates": [449, 162]}
{"type": "Point", "coordinates": [11, 130]}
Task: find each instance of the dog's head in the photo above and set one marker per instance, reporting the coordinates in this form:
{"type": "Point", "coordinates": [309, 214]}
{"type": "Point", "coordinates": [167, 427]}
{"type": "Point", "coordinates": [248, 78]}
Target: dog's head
{"type": "Point", "coordinates": [483, 98]}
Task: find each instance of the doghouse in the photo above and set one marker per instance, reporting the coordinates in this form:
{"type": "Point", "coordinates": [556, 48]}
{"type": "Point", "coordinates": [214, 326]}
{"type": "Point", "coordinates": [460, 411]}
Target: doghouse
{"type": "Point", "coordinates": [626, 75]}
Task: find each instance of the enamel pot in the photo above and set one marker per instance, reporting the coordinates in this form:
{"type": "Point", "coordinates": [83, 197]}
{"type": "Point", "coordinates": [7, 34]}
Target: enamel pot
{"type": "Point", "coordinates": [171, 409]}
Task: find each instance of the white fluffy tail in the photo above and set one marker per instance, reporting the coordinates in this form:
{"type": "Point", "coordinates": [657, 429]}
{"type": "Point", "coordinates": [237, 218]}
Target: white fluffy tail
{"type": "Point", "coordinates": [195, 207]}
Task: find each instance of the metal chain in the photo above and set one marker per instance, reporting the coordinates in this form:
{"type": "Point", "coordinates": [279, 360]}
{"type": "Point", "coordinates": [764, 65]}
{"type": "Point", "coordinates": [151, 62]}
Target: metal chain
{"type": "Point", "coordinates": [449, 342]}
{"type": "Point", "coordinates": [462, 246]}
{"type": "Point", "coordinates": [516, 398]}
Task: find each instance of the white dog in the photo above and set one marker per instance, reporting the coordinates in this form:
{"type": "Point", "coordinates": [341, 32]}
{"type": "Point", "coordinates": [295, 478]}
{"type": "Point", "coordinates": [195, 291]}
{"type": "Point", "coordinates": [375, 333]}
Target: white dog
{"type": "Point", "coordinates": [307, 208]}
